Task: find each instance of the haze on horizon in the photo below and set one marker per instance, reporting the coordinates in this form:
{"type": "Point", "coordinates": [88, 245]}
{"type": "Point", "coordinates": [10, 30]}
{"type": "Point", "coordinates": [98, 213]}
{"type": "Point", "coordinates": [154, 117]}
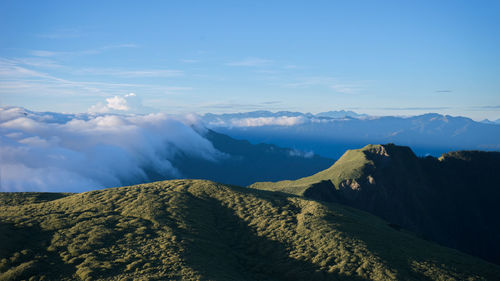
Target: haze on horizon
{"type": "Point", "coordinates": [379, 58]}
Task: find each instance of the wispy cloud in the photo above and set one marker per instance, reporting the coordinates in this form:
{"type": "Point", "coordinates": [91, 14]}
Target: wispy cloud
{"type": "Point", "coordinates": [17, 77]}
{"type": "Point", "coordinates": [415, 108]}
{"type": "Point", "coordinates": [61, 33]}
{"type": "Point", "coordinates": [14, 69]}
{"type": "Point", "coordinates": [266, 71]}
{"type": "Point", "coordinates": [345, 88]}
{"type": "Point", "coordinates": [94, 51]}
{"type": "Point", "coordinates": [231, 105]}
{"type": "Point", "coordinates": [272, 102]}
{"type": "Point", "coordinates": [443, 91]}
{"type": "Point", "coordinates": [43, 53]}
{"type": "Point", "coordinates": [188, 61]}
{"type": "Point", "coordinates": [63, 87]}
{"type": "Point", "coordinates": [235, 106]}
{"type": "Point", "coordinates": [30, 61]}
{"type": "Point", "coordinates": [329, 82]}
{"type": "Point", "coordinates": [250, 62]}
{"type": "Point", "coordinates": [131, 73]}
{"type": "Point", "coordinates": [485, 107]}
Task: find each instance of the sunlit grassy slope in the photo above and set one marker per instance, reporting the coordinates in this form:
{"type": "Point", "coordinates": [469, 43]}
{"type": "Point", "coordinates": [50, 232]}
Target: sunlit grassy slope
{"type": "Point", "coordinates": [352, 165]}
{"type": "Point", "coordinates": [452, 200]}
{"type": "Point", "coordinates": [200, 230]}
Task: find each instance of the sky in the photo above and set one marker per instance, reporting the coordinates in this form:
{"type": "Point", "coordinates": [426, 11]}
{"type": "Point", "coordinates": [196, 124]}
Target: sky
{"type": "Point", "coordinates": [375, 57]}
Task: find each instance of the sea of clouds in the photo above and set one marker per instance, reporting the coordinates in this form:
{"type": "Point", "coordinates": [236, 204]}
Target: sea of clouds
{"type": "Point", "coordinates": [285, 121]}
{"type": "Point", "coordinates": [80, 152]}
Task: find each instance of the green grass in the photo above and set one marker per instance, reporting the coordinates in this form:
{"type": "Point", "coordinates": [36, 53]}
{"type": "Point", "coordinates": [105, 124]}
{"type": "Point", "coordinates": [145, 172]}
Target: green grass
{"type": "Point", "coordinates": [19, 198]}
{"type": "Point", "coordinates": [352, 165]}
{"type": "Point", "coordinates": [200, 230]}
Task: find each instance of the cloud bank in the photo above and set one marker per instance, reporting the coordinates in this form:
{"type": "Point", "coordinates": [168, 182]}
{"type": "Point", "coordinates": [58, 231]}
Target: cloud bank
{"type": "Point", "coordinates": [79, 152]}
{"type": "Point", "coordinates": [268, 121]}
{"type": "Point", "coordinates": [243, 120]}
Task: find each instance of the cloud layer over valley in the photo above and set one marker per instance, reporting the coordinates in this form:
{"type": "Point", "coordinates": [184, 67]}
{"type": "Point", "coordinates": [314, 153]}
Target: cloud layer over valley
{"type": "Point", "coordinates": [78, 152]}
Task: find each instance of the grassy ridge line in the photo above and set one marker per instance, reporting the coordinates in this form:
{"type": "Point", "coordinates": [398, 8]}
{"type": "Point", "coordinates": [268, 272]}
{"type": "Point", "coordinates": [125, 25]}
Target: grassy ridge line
{"type": "Point", "coordinates": [20, 198]}
{"type": "Point", "coordinates": [351, 165]}
{"type": "Point", "coordinates": [451, 200]}
{"type": "Point", "coordinates": [194, 229]}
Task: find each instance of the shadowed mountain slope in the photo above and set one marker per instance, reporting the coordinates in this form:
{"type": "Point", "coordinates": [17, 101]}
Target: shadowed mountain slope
{"type": "Point", "coordinates": [246, 163]}
{"type": "Point", "coordinates": [452, 200]}
{"type": "Point", "coordinates": [193, 229]}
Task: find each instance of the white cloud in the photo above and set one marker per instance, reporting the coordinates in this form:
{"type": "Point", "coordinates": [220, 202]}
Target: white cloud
{"type": "Point", "coordinates": [328, 82]}
{"type": "Point", "coordinates": [263, 118]}
{"type": "Point", "coordinates": [268, 121]}
{"type": "Point", "coordinates": [118, 103]}
{"type": "Point", "coordinates": [98, 108]}
{"type": "Point", "coordinates": [130, 103]}
{"type": "Point", "coordinates": [62, 152]}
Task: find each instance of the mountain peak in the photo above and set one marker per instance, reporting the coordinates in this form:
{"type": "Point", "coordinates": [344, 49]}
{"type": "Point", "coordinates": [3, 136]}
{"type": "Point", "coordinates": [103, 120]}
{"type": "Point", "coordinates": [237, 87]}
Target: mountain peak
{"type": "Point", "coordinates": [432, 197]}
{"type": "Point", "coordinates": [383, 152]}
{"type": "Point", "coordinates": [376, 149]}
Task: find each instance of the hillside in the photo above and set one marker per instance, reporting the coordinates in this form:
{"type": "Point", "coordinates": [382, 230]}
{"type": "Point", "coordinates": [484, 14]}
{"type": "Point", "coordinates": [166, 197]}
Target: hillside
{"type": "Point", "coordinates": [451, 200]}
{"type": "Point", "coordinates": [245, 163]}
{"type": "Point", "coordinates": [193, 229]}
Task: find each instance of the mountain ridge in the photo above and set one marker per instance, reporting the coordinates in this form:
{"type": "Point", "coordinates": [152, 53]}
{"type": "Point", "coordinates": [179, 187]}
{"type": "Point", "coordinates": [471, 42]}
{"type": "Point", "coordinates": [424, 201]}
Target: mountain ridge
{"type": "Point", "coordinates": [430, 133]}
{"type": "Point", "coordinates": [450, 200]}
{"type": "Point", "coordinates": [197, 229]}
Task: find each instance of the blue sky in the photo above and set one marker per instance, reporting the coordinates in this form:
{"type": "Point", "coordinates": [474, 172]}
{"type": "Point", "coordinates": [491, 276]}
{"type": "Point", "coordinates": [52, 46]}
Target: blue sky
{"type": "Point", "coordinates": [376, 57]}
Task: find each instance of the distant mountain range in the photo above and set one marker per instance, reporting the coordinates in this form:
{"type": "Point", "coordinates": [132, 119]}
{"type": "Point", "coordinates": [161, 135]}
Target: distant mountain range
{"type": "Point", "coordinates": [431, 133]}
{"type": "Point", "coordinates": [341, 114]}
{"type": "Point", "coordinates": [452, 200]}
{"type": "Point", "coordinates": [486, 121]}
{"type": "Point", "coordinates": [201, 230]}
{"type": "Point", "coordinates": [226, 118]}
{"type": "Point", "coordinates": [245, 163]}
